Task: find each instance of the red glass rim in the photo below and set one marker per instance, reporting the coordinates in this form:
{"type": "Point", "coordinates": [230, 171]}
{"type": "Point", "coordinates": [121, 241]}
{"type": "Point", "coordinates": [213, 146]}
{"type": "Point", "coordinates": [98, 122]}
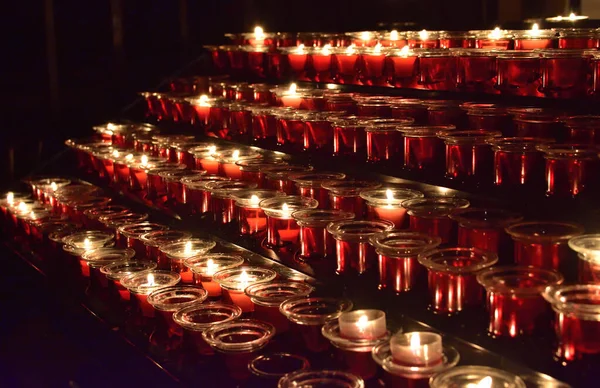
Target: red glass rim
{"type": "Point", "coordinates": [116, 220]}
{"type": "Point", "coordinates": [577, 32]}
{"type": "Point", "coordinates": [229, 278]}
{"type": "Point", "coordinates": [485, 218]}
{"type": "Point", "coordinates": [382, 355]}
{"type": "Point", "coordinates": [517, 54]}
{"type": "Point", "coordinates": [320, 217]}
{"type": "Point", "coordinates": [569, 151]}
{"type": "Point", "coordinates": [588, 246]}
{"type": "Point", "coordinates": [582, 122]}
{"type": "Point", "coordinates": [99, 257]}
{"type": "Point", "coordinates": [544, 231]}
{"type": "Point", "coordinates": [467, 260]}
{"type": "Point", "coordinates": [476, 108]}
{"type": "Point", "coordinates": [282, 172]}
{"type": "Point", "coordinates": [534, 34]}
{"type": "Point", "coordinates": [315, 179]}
{"type": "Point", "coordinates": [225, 189]}
{"type": "Point", "coordinates": [565, 53]}
{"type": "Point", "coordinates": [425, 130]}
{"type": "Point", "coordinates": [472, 52]}
{"type": "Point", "coordinates": [398, 243]}
{"type": "Point", "coordinates": [209, 264]}
{"type": "Point", "coordinates": [195, 245]}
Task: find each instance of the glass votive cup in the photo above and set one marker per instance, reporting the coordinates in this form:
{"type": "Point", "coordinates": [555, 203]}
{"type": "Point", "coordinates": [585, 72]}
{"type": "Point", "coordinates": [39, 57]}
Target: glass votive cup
{"type": "Point", "coordinates": [238, 342]}
{"type": "Point", "coordinates": [488, 117]}
{"type": "Point", "coordinates": [206, 160]}
{"type": "Point", "coordinates": [384, 140]}
{"type": "Point", "coordinates": [154, 240]}
{"type": "Point", "coordinates": [354, 354]}
{"type": "Point", "coordinates": [221, 203]}
{"type": "Point", "coordinates": [514, 299]}
{"type": "Point", "coordinates": [373, 66]}
{"type": "Point", "coordinates": [468, 154]}
{"type": "Point", "coordinates": [297, 61]}
{"type": "Point", "coordinates": [264, 123]}
{"type": "Point", "coordinates": [475, 70]}
{"type": "Point", "coordinates": [386, 204]}
{"type": "Point", "coordinates": [277, 177]}
{"type": "Point", "coordinates": [543, 244]}
{"type": "Point", "coordinates": [228, 159]}
{"type": "Point", "coordinates": [310, 185]}
{"type": "Point", "coordinates": [205, 266]}
{"type": "Point", "coordinates": [141, 284]}
{"type": "Point", "coordinates": [534, 39]}
{"type": "Point", "coordinates": [114, 272]}
{"type": "Point", "coordinates": [309, 314]}
{"type": "Point", "coordinates": [452, 278]}
{"type": "Point", "coordinates": [423, 39]}
{"type": "Point", "coordinates": [569, 168]}
{"type": "Point", "coordinates": [252, 220]}
{"type": "Point", "coordinates": [378, 109]}
{"type": "Point", "coordinates": [325, 378]}
{"type": "Point", "coordinates": [496, 39]}
{"type": "Point", "coordinates": [518, 161]}
{"type": "Point", "coordinates": [354, 254]}
{"type": "Point", "coordinates": [423, 149]}
{"type": "Point", "coordinates": [349, 137]}
{"type": "Point", "coordinates": [239, 120]}
{"type": "Point", "coordinates": [464, 376]}
{"type": "Point", "coordinates": [588, 251]}
{"type": "Point", "coordinates": [282, 228]}
{"type": "Point", "coordinates": [446, 112]}
{"type": "Point", "coordinates": [400, 374]}
{"type": "Point", "coordinates": [196, 193]}
{"type": "Point", "coordinates": [345, 64]}
{"type": "Point", "coordinates": [184, 151]}
{"type": "Point", "coordinates": [518, 72]}
{"type": "Point", "coordinates": [138, 172]}
{"type": "Point", "coordinates": [318, 132]}
{"type": "Point", "coordinates": [538, 125]}
{"type": "Point", "coordinates": [117, 220]}
{"type": "Point", "coordinates": [128, 236]}
{"type": "Point", "coordinates": [483, 228]}
{"type": "Point", "coordinates": [267, 297]}
{"type": "Point", "coordinates": [399, 269]}
{"type": "Point", "coordinates": [234, 281]}
{"type": "Point", "coordinates": [578, 38]}
{"type": "Point", "coordinates": [290, 129]}
{"type": "Point", "coordinates": [44, 188]}
{"type": "Point", "coordinates": [197, 318]}
{"type": "Point", "coordinates": [576, 320]}
{"type": "Point", "coordinates": [343, 102]}
{"type": "Point", "coordinates": [97, 258]}
{"type": "Point", "coordinates": [410, 108]}
{"type": "Point", "coordinates": [174, 186]}
{"type": "Point", "coordinates": [437, 70]}
{"type": "Point", "coordinates": [251, 169]}
{"type": "Point", "coordinates": [74, 208]}
{"type": "Point", "coordinates": [403, 67]}
{"type": "Point", "coordinates": [173, 255]}
{"type": "Point", "coordinates": [565, 73]}
{"type": "Point", "coordinates": [431, 215]}
{"type": "Point", "coordinates": [582, 129]}
{"type": "Point", "coordinates": [345, 195]}
{"type": "Point", "coordinates": [156, 188]}
{"type": "Point", "coordinates": [268, 369]}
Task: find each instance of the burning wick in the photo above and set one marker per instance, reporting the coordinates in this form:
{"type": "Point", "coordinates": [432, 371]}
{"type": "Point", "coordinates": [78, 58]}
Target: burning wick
{"type": "Point", "coordinates": [300, 49]}
{"type": "Point", "coordinates": [485, 382]}
{"type": "Point", "coordinates": [285, 209]}
{"type": "Point", "coordinates": [495, 34]}
{"type": "Point", "coordinates": [259, 33]}
{"type": "Point", "coordinates": [404, 51]}
{"type": "Point", "coordinates": [389, 194]}
{"type": "Point", "coordinates": [22, 208]}
{"type": "Point", "coordinates": [326, 50]}
{"type": "Point", "coordinates": [188, 248]}
{"type": "Point", "coordinates": [254, 200]}
{"type": "Point", "coordinates": [423, 35]}
{"type": "Point", "coordinates": [377, 49]}
{"type": "Point", "coordinates": [129, 157]}
{"type": "Point", "coordinates": [365, 35]}
{"type": "Point", "coordinates": [244, 279]}
{"type": "Point", "coordinates": [292, 89]}
{"type": "Point", "coordinates": [212, 150]}
{"type": "Point", "coordinates": [236, 155]}
{"type": "Point", "coordinates": [87, 244]}
{"type": "Point", "coordinates": [203, 100]}
{"type": "Point", "coordinates": [394, 35]}
{"type": "Point", "coordinates": [110, 126]}
{"type": "Point", "coordinates": [10, 197]}
{"type": "Point", "coordinates": [350, 49]}
{"type": "Point", "coordinates": [211, 267]}
{"type": "Point", "coordinates": [535, 30]}
{"type": "Point", "coordinates": [115, 154]}
{"type": "Point", "coordinates": [150, 280]}
{"type": "Point", "coordinates": [362, 323]}
{"type": "Point", "coordinates": [144, 161]}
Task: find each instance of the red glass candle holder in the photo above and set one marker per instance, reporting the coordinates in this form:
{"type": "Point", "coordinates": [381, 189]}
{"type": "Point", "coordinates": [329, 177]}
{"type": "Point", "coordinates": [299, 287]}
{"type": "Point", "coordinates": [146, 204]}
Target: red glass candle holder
{"type": "Point", "coordinates": [92, 215]}
{"type": "Point", "coordinates": [138, 172]}
{"type": "Point", "coordinates": [544, 244]}
{"type": "Point", "coordinates": [268, 369]}
{"type": "Point", "coordinates": [437, 70]}
{"type": "Point", "coordinates": [252, 220]}
{"type": "Point", "coordinates": [410, 108]}
{"type": "Point", "coordinates": [239, 341]}
{"type": "Point", "coordinates": [154, 240]}
{"type": "Point", "coordinates": [373, 109]}
{"type": "Point", "coordinates": [198, 318]}
{"type": "Point", "coordinates": [174, 186]}
{"type": "Point", "coordinates": [476, 70]}
{"type": "Point", "coordinates": [156, 189]}
{"type": "Point", "coordinates": [519, 72]}
{"type": "Point", "coordinates": [128, 236]}
{"type": "Point", "coordinates": [318, 132]}
{"type": "Point", "coordinates": [346, 65]}
{"type": "Point", "coordinates": [423, 39]}
{"type": "Point", "coordinates": [565, 73]}
{"type": "Point", "coordinates": [114, 272]}
{"type": "Point", "coordinates": [431, 215]}
{"type": "Point", "coordinates": [495, 39]}
{"type": "Point", "coordinates": [196, 193]}
{"type": "Point", "coordinates": [595, 65]}
{"type": "Point", "coordinates": [282, 229]}
{"type": "Point", "coordinates": [321, 64]}
{"type": "Point", "coordinates": [354, 254]}
{"type": "Point", "coordinates": [297, 61]}
{"type": "Point", "coordinates": [341, 103]}
{"type": "Point", "coordinates": [97, 258]}
{"type": "Point", "coordinates": [384, 139]}
{"type": "Point", "coordinates": [173, 255]}
{"type": "Point", "coordinates": [452, 279]}
{"type": "Point", "coordinates": [463, 376]}
{"type": "Point", "coordinates": [267, 297]}
{"type": "Point", "coordinates": [142, 284]}
{"type": "Point", "coordinates": [251, 169]}
{"type": "Point", "coordinates": [345, 195]}
{"type": "Point", "coordinates": [576, 321]}
{"type": "Point", "coordinates": [290, 97]}
{"type": "Point", "coordinates": [277, 177]}
{"type": "Point", "coordinates": [403, 67]}
{"type": "Point", "coordinates": [455, 39]}
{"type": "Point", "coordinates": [399, 375]}
{"type": "Point", "coordinates": [205, 266]}
{"type": "Point", "coordinates": [310, 185]}
{"type": "Point", "coordinates": [422, 147]}
{"type": "Point", "coordinates": [445, 112]}
{"type": "Point", "coordinates": [537, 122]}
{"type": "Point", "coordinates": [315, 242]}
{"type": "Point", "coordinates": [239, 121]}
{"type": "Point", "coordinates": [206, 160]}
{"type": "Point", "coordinates": [483, 228]}
{"type": "Point", "coordinates": [290, 129]}
{"type": "Point", "coordinates": [75, 207]}
{"type": "Point", "coordinates": [386, 204]}
{"type": "Point", "coordinates": [569, 168]}
{"type": "Point", "coordinates": [534, 39]}
{"type": "Point", "coordinates": [468, 154]}
{"type": "Point", "coordinates": [588, 252]}
{"type": "Point", "coordinates": [373, 70]}
{"type": "Point", "coordinates": [309, 314]}
{"type": "Point", "coordinates": [514, 299]}
{"type": "Point", "coordinates": [349, 137]}
{"type": "Point", "coordinates": [221, 204]}
{"type": "Point", "coordinates": [582, 129]}
{"type": "Point", "coordinates": [257, 60]}
{"type": "Point", "coordinates": [399, 270]}
{"type": "Point", "coordinates": [363, 38]}
{"type": "Point", "coordinates": [578, 38]}
{"type": "Point", "coordinates": [326, 378]}
{"type": "Point", "coordinates": [489, 117]}
{"type": "Point", "coordinates": [234, 281]}
{"type": "Point", "coordinates": [393, 39]}
{"type": "Point", "coordinates": [517, 161]}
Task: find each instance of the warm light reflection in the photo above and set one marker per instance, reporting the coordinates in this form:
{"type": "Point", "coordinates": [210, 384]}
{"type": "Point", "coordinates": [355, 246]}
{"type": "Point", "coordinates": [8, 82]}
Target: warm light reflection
{"type": "Point", "coordinates": [326, 50]}
{"type": "Point", "coordinates": [115, 154]}
{"type": "Point", "coordinates": [111, 126]}
{"type": "Point", "coordinates": [485, 382]}
{"type": "Point", "coordinates": [203, 100]}
{"type": "Point", "coordinates": [254, 200]}
{"type": "Point", "coordinates": [365, 35]}
{"type": "Point", "coordinates": [211, 267]}
{"type": "Point", "coordinates": [285, 210]}
{"type": "Point", "coordinates": [423, 35]}
{"type": "Point", "coordinates": [10, 197]}
{"type": "Point", "coordinates": [300, 49]}
{"type": "Point", "coordinates": [150, 280]}
{"type": "Point", "coordinates": [350, 49]}
{"type": "Point", "coordinates": [571, 18]}
{"type": "Point", "coordinates": [212, 150]}
{"type": "Point", "coordinates": [188, 248]}
{"type": "Point", "coordinates": [496, 33]}
{"type": "Point", "coordinates": [144, 161]}
{"type": "Point", "coordinates": [293, 88]}
{"type": "Point", "coordinates": [87, 244]}
{"type": "Point", "coordinates": [235, 155]}
{"type": "Point", "coordinates": [22, 208]}
{"type": "Point", "coordinates": [404, 51]}
{"type": "Point", "coordinates": [129, 157]}
{"type": "Point", "coordinates": [259, 33]}
{"type": "Point", "coordinates": [244, 279]}
{"type": "Point", "coordinates": [377, 49]}
{"type": "Point", "coordinates": [362, 322]}
{"type": "Point", "coordinates": [394, 35]}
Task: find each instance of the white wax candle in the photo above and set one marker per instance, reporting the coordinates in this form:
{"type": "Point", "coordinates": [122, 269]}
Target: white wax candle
{"type": "Point", "coordinates": [417, 348]}
{"type": "Point", "coordinates": [362, 324]}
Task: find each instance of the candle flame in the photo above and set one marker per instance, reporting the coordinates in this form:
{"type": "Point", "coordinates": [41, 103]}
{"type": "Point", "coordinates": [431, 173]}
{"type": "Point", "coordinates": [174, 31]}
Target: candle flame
{"type": "Point", "coordinates": [394, 35]}
{"type": "Point", "coordinates": [362, 322]}
{"type": "Point", "coordinates": [22, 208]}
{"type": "Point", "coordinates": [254, 200]}
{"type": "Point", "coordinates": [212, 150]}
{"type": "Point", "coordinates": [535, 27]}
{"type": "Point", "coordinates": [115, 154]}
{"type": "Point", "coordinates": [326, 50]}
{"type": "Point", "coordinates": [87, 244]}
{"type": "Point", "coordinates": [293, 88]}
{"type": "Point", "coordinates": [150, 280]}
{"type": "Point", "coordinates": [572, 16]}
{"type": "Point", "coordinates": [404, 51]}
{"type": "Point", "coordinates": [110, 126]}
{"type": "Point", "coordinates": [128, 157]}
{"type": "Point", "coordinates": [144, 161]}
{"type": "Point", "coordinates": [423, 35]}
{"type": "Point", "coordinates": [188, 248]}
{"type": "Point", "coordinates": [236, 155]}
{"type": "Point", "coordinates": [32, 215]}
{"type": "Point", "coordinates": [259, 33]}
{"type": "Point", "coordinates": [300, 49]}
{"type": "Point", "coordinates": [377, 48]}
{"type": "Point", "coordinates": [495, 34]}
{"type": "Point", "coordinates": [485, 382]}
{"type": "Point", "coordinates": [415, 342]}
{"type": "Point", "coordinates": [53, 186]}
{"type": "Point", "coordinates": [365, 35]}
{"type": "Point", "coordinates": [389, 194]}
{"type": "Point", "coordinates": [10, 197]}
{"type": "Point", "coordinates": [244, 279]}
{"type": "Point", "coordinates": [203, 100]}
{"type": "Point", "coordinates": [350, 49]}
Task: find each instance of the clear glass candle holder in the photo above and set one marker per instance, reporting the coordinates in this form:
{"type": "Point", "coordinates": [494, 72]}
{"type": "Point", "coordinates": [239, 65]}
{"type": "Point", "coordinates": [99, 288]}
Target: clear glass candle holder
{"type": "Point", "coordinates": [174, 186]}
{"type": "Point", "coordinates": [142, 284]}
{"type": "Point", "coordinates": [582, 129]}
{"type": "Point", "coordinates": [310, 185]}
{"type": "Point", "coordinates": [399, 269]}
{"type": "Point", "coordinates": [321, 64]}
{"type": "Point", "coordinates": [114, 272]}
{"type": "Point", "coordinates": [410, 108]}
{"type": "Point", "coordinates": [483, 228]}
{"type": "Point", "coordinates": [437, 70]}
{"type": "Point", "coordinates": [268, 369]}
{"type": "Point", "coordinates": [576, 321]}
{"type": "Point", "coordinates": [386, 204]}
{"type": "Point", "coordinates": [569, 168]}
{"type": "Point", "coordinates": [325, 378]}
{"type": "Point", "coordinates": [290, 129]}
{"type": "Point", "coordinates": [354, 254]}
{"type": "Point", "coordinates": [197, 318]}
{"type": "Point", "coordinates": [309, 314]}
{"type": "Point", "coordinates": [488, 117]}
{"type": "Point", "coordinates": [315, 242]}
{"type": "Point", "coordinates": [464, 376]}
{"type": "Point", "coordinates": [252, 220]}
{"type": "Point", "coordinates": [587, 247]}
{"type": "Point", "coordinates": [519, 72]}
{"type": "Point", "coordinates": [518, 161]}
{"type": "Point", "coordinates": [267, 297]}
{"type": "Point", "coordinates": [543, 244]}
{"type": "Point", "coordinates": [205, 266]}
{"type": "Point", "coordinates": [452, 279]}
{"type": "Point", "coordinates": [536, 122]}
{"type": "Point", "coordinates": [345, 195]}
{"type": "Point", "coordinates": [495, 39]}
{"type": "Point", "coordinates": [277, 177]}
{"type": "Point", "coordinates": [565, 73]}
{"type": "Point", "coordinates": [476, 70]}
{"type": "Point", "coordinates": [384, 139]}
{"type": "Point", "coordinates": [234, 281]}
{"type": "Point", "coordinates": [228, 159]}
{"type": "Point", "coordinates": [514, 299]}
{"type": "Point", "coordinates": [221, 203]}
{"type": "Point", "coordinates": [282, 228]}
{"type": "Point", "coordinates": [117, 220]}
{"type": "Point", "coordinates": [318, 132]}
{"type": "Point", "coordinates": [97, 258]}
{"type": "Point", "coordinates": [431, 215]}
{"type": "Point", "coordinates": [128, 236]}
{"type": "Point", "coordinates": [341, 103]}
{"type": "Point", "coordinates": [468, 155]}
{"type": "Point", "coordinates": [154, 240]}
{"type": "Point", "coordinates": [423, 149]}
{"type": "Point", "coordinates": [173, 255]}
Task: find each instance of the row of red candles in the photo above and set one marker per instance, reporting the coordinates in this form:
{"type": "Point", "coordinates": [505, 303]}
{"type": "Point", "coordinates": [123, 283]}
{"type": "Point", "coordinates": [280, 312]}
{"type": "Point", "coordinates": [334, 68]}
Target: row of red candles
{"type": "Point", "coordinates": [142, 238]}
{"type": "Point", "coordinates": [176, 314]}
{"type": "Point", "coordinates": [552, 73]}
{"type": "Point", "coordinates": [479, 143]}
{"type": "Point", "coordinates": [541, 244]}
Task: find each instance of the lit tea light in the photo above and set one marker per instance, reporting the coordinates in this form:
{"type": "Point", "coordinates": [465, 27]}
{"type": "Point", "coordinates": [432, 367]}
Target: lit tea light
{"type": "Point", "coordinates": [394, 35]}
{"type": "Point", "coordinates": [291, 98]}
{"type": "Point", "coordinates": [571, 18]}
{"type": "Point", "coordinates": [485, 382]}
{"type": "Point", "coordinates": [259, 33]}
{"type": "Point", "coordinates": [53, 186]}
{"type": "Point", "coordinates": [10, 198]}
{"type": "Point", "coordinates": [144, 160]}
{"type": "Point", "coordinates": [389, 194]}
{"type": "Point", "coordinates": [285, 211]}
{"type": "Point", "coordinates": [212, 150]}
{"type": "Point", "coordinates": [363, 324]}
{"type": "Point", "coordinates": [128, 157]}
{"type": "Point", "coordinates": [351, 49]}
{"type": "Point", "coordinates": [150, 281]}
{"type": "Point", "coordinates": [326, 50]}
{"type": "Point", "coordinates": [377, 49]}
{"type": "Point", "coordinates": [244, 280]}
{"type": "Point", "coordinates": [211, 267]}
{"type": "Point", "coordinates": [300, 50]}
{"type": "Point", "coordinates": [404, 52]}
{"type": "Point", "coordinates": [87, 244]}
{"type": "Point", "coordinates": [535, 29]}
{"type": "Point", "coordinates": [417, 348]}
{"type": "Point", "coordinates": [188, 248]}
{"type": "Point", "coordinates": [423, 35]}
{"type": "Point", "coordinates": [23, 208]}
{"type": "Point", "coordinates": [496, 33]}
{"type": "Point", "coordinates": [115, 154]}
{"type": "Point", "coordinates": [254, 200]}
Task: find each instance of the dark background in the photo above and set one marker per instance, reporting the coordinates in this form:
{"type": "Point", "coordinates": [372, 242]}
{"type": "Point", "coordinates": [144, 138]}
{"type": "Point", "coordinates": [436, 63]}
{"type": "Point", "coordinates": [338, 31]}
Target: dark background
{"type": "Point", "coordinates": [96, 74]}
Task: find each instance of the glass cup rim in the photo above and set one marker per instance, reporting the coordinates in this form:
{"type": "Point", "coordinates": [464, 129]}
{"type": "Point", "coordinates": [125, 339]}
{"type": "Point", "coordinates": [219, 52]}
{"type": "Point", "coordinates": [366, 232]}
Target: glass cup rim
{"type": "Point", "coordinates": [519, 231]}
{"type": "Point", "coordinates": [467, 217]}
{"type": "Point", "coordinates": [358, 230]}
{"type": "Point", "coordinates": [149, 238]}
{"type": "Point", "coordinates": [288, 307]}
{"type": "Point", "coordinates": [493, 279]}
{"type": "Point", "coordinates": [108, 270]}
{"type": "Point", "coordinates": [382, 355]}
{"type": "Point", "coordinates": [254, 292]}
{"type": "Point", "coordinates": [571, 298]}
{"type": "Point", "coordinates": [263, 330]}
{"type": "Point", "coordinates": [140, 289]}
{"type": "Point", "coordinates": [272, 206]}
{"type": "Point", "coordinates": [127, 231]}
{"type": "Point", "coordinates": [200, 244]}
{"type": "Point", "coordinates": [94, 257]}
{"type": "Point", "coordinates": [158, 304]}
{"type": "Point", "coordinates": [486, 259]}
{"type": "Point", "coordinates": [320, 217]}
{"type": "Point", "coordinates": [378, 197]}
{"type": "Point", "coordinates": [434, 206]}
{"type": "Point", "coordinates": [195, 263]}
{"type": "Point", "coordinates": [424, 242]}
{"type": "Point", "coordinates": [581, 245]}
{"type": "Point", "coordinates": [439, 380]}
{"type": "Point", "coordinates": [425, 130]}
{"type": "Point", "coordinates": [315, 179]}
{"type": "Point", "coordinates": [349, 379]}
{"type": "Point", "coordinates": [222, 276]}
{"type": "Point", "coordinates": [178, 316]}
{"type": "Point", "coordinates": [350, 189]}
{"type": "Point", "coordinates": [475, 137]}
{"type": "Point", "coordinates": [265, 357]}
{"type": "Point", "coordinates": [518, 144]}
